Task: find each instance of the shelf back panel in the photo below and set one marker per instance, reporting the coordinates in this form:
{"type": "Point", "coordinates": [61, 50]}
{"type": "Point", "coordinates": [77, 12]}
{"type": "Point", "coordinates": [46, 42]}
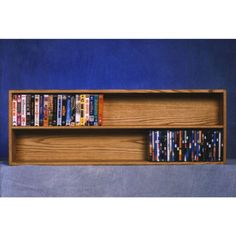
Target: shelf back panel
{"type": "Point", "coordinates": [163, 109]}
{"type": "Point", "coordinates": [75, 146]}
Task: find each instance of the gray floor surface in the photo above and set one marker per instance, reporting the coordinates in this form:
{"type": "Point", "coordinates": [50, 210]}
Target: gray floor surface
{"type": "Point", "coordinates": [119, 181]}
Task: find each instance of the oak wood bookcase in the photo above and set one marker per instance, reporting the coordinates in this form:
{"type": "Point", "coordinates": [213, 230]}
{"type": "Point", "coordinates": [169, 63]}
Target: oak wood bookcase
{"type": "Point", "coordinates": [123, 138]}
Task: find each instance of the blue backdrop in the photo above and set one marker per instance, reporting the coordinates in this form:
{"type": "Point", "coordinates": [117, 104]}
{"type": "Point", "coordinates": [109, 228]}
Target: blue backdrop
{"type": "Point", "coordinates": [117, 64]}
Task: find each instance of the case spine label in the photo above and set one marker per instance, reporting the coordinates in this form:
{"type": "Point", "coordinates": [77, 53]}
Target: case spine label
{"type": "Point", "coordinates": [14, 110]}
{"type": "Point", "coordinates": [45, 111]}
{"type": "Point", "coordinates": [18, 110]}
{"type": "Point", "coordinates": [77, 109]}
{"type": "Point", "coordinates": [64, 110]}
{"type": "Point", "coordinates": [95, 109]}
{"type": "Point", "coordinates": [36, 111]}
{"type": "Point", "coordinates": [59, 110]}
{"type": "Point", "coordinates": [82, 104]}
{"type": "Point", "coordinates": [68, 110]}
{"type": "Point", "coordinates": [86, 110]}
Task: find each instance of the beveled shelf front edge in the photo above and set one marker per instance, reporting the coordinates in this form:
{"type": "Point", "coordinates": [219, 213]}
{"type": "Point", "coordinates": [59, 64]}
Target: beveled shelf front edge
{"type": "Point", "coordinates": [119, 91]}
{"type": "Point", "coordinates": [112, 127]}
{"type": "Point", "coordinates": [117, 163]}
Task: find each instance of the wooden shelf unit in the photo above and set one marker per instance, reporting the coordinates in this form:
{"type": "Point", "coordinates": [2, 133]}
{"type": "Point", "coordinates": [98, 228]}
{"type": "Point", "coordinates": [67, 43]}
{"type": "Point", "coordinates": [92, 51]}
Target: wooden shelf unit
{"type": "Point", "coordinates": [123, 138]}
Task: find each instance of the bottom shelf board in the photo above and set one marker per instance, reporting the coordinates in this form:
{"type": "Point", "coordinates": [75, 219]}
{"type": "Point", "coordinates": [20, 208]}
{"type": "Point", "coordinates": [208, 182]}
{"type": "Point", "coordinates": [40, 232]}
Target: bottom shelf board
{"type": "Point", "coordinates": [117, 163]}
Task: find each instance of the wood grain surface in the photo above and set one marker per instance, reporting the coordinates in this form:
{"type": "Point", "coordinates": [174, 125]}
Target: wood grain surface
{"type": "Point", "coordinates": [122, 140]}
{"type": "Point", "coordinates": [162, 110]}
{"type": "Point", "coordinates": [79, 146]}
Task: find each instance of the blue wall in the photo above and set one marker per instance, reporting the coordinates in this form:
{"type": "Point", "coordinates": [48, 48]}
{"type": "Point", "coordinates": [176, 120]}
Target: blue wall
{"type": "Point", "coordinates": [127, 64]}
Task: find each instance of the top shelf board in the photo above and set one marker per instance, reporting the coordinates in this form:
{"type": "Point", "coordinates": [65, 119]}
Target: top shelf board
{"type": "Point", "coordinates": [121, 91]}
